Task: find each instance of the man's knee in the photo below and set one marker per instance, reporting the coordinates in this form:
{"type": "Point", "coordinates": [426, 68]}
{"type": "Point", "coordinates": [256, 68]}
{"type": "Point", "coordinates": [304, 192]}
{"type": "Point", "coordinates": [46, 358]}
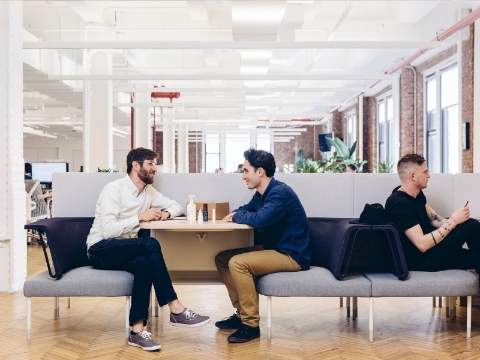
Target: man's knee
{"type": "Point", "coordinates": [140, 263]}
{"type": "Point", "coordinates": [223, 258]}
{"type": "Point", "coordinates": [237, 263]}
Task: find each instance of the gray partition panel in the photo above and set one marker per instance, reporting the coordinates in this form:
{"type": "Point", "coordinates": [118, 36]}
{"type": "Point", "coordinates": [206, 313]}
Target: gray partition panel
{"type": "Point", "coordinates": [323, 195]}
{"type": "Point", "coordinates": [440, 193]}
{"type": "Point", "coordinates": [75, 194]}
{"type": "Point", "coordinates": [372, 188]}
{"type": "Point", "coordinates": [466, 188]}
{"type": "Point", "coordinates": [206, 187]}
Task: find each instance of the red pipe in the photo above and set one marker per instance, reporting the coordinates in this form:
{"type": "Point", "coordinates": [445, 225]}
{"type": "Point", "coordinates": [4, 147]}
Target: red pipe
{"type": "Point", "coordinates": [466, 21]}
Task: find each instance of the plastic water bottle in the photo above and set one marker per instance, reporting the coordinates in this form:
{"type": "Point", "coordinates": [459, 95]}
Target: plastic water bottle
{"type": "Point", "coordinates": [191, 209]}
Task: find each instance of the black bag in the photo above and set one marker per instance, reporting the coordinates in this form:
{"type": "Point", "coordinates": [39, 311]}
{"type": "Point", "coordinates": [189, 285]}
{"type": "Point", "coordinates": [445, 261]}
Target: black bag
{"type": "Point", "coordinates": [372, 214]}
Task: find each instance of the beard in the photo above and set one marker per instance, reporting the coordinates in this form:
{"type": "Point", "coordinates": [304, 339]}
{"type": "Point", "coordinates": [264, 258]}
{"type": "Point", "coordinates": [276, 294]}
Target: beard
{"type": "Point", "coordinates": [144, 176]}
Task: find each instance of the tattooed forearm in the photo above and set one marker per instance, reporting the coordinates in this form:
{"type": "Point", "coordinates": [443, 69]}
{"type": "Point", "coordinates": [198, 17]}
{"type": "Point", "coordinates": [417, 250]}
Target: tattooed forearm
{"type": "Point", "coordinates": [436, 217]}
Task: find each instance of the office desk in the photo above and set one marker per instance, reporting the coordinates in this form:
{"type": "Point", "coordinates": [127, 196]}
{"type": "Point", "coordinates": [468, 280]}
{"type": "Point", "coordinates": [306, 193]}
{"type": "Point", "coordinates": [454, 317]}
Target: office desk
{"type": "Point", "coordinates": [189, 249]}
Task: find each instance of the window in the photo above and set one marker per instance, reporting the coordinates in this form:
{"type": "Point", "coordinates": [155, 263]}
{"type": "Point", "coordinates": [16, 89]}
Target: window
{"type": "Point", "coordinates": [212, 153]}
{"type": "Point", "coordinates": [235, 146]}
{"type": "Point", "coordinates": [384, 129]}
{"type": "Point", "coordinates": [350, 122]}
{"type": "Point", "coordinates": [442, 122]}
{"type": "Point", "coordinates": [264, 142]}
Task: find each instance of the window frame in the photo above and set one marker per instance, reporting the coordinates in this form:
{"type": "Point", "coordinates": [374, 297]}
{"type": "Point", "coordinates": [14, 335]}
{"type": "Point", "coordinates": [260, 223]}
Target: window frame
{"type": "Point", "coordinates": [440, 156]}
{"type": "Point", "coordinates": [389, 142]}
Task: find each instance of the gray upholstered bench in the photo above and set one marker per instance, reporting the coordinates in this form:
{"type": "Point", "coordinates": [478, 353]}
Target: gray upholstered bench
{"type": "Point", "coordinates": [316, 282]}
{"type": "Point", "coordinates": [83, 281]}
{"type": "Point", "coordinates": [426, 284]}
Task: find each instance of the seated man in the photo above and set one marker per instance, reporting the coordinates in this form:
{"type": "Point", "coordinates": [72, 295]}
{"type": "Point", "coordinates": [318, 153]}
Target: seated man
{"type": "Point", "coordinates": [281, 243]}
{"type": "Point", "coordinates": [430, 242]}
{"type": "Point", "coordinates": [113, 244]}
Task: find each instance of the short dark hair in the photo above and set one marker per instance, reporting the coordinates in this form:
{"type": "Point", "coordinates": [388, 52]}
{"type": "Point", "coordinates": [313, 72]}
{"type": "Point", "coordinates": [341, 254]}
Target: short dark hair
{"type": "Point", "coordinates": [28, 168]}
{"type": "Point", "coordinates": [139, 154]}
{"type": "Point", "coordinates": [353, 167]}
{"type": "Point", "coordinates": [409, 159]}
{"type": "Point", "coordinates": [240, 166]}
{"type": "Point", "coordinates": [261, 159]}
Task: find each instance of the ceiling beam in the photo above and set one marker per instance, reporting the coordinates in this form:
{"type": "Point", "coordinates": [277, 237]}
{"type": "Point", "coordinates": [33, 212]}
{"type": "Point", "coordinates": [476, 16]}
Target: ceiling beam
{"type": "Point", "coordinates": [228, 104]}
{"type": "Point", "coordinates": [240, 89]}
{"type": "Point", "coordinates": [271, 77]}
{"type": "Point", "coordinates": [247, 45]}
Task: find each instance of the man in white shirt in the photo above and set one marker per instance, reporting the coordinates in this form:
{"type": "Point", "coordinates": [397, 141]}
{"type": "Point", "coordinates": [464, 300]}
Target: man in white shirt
{"type": "Point", "coordinates": [113, 244]}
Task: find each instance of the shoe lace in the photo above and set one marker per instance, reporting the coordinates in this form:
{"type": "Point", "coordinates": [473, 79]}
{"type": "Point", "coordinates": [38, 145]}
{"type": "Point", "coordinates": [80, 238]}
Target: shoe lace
{"type": "Point", "coordinates": [145, 334]}
{"type": "Point", "coordinates": [190, 314]}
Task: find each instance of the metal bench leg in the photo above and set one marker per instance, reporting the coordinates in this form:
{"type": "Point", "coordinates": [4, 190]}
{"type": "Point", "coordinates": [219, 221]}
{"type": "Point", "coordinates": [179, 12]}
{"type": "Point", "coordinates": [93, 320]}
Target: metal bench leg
{"type": "Point", "coordinates": [447, 305]}
{"type": "Point", "coordinates": [469, 317]}
{"type": "Point", "coordinates": [348, 306]}
{"type": "Point", "coordinates": [370, 319]}
{"type": "Point", "coordinates": [56, 308]}
{"type": "Point", "coordinates": [341, 301]}
{"type": "Point", "coordinates": [355, 307]}
{"type": "Point", "coordinates": [453, 303]}
{"type": "Point", "coordinates": [29, 318]}
{"type": "Point", "coordinates": [434, 302]}
{"type": "Point", "coordinates": [269, 317]}
{"type": "Point", "coordinates": [69, 301]}
{"type": "Point", "coordinates": [440, 298]}
{"type": "Point", "coordinates": [127, 314]}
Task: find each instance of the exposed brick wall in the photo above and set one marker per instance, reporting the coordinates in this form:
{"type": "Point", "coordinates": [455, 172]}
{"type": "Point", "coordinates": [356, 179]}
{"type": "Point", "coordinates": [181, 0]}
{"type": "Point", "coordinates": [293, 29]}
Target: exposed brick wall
{"type": "Point", "coordinates": [195, 161]}
{"type": "Point", "coordinates": [338, 124]}
{"type": "Point", "coordinates": [307, 141]}
{"type": "Point", "coordinates": [467, 97]}
{"type": "Point", "coordinates": [407, 118]}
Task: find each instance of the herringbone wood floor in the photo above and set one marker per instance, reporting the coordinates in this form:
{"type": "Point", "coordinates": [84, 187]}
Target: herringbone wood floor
{"type": "Point", "coordinates": [310, 328]}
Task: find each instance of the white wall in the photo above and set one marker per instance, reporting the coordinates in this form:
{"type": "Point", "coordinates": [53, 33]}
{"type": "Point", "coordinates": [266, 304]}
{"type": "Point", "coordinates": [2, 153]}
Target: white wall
{"type": "Point", "coordinates": [38, 148]}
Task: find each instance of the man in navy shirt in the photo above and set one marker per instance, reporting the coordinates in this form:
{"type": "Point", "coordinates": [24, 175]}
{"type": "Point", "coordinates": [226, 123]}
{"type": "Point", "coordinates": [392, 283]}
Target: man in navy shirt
{"type": "Point", "coordinates": [281, 243]}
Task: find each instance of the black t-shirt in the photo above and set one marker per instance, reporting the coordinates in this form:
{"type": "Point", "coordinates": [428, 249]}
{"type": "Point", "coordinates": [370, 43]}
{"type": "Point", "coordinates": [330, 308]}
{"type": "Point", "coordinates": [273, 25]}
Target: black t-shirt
{"type": "Point", "coordinates": [405, 211]}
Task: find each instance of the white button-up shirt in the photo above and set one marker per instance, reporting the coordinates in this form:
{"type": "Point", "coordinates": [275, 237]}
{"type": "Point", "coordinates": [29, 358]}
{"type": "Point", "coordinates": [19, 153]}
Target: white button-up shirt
{"type": "Point", "coordinates": [117, 209]}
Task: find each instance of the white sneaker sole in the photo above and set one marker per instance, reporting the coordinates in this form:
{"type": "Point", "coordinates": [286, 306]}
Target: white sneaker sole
{"type": "Point", "coordinates": [151, 348]}
{"type": "Point", "coordinates": [191, 325]}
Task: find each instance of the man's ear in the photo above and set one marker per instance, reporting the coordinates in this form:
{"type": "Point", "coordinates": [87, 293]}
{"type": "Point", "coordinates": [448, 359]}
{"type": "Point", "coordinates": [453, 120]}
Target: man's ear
{"type": "Point", "coordinates": [261, 171]}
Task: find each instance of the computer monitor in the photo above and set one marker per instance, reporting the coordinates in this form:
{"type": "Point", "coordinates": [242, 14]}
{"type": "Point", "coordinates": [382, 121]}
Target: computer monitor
{"type": "Point", "coordinates": [324, 143]}
{"type": "Point", "coordinates": [43, 171]}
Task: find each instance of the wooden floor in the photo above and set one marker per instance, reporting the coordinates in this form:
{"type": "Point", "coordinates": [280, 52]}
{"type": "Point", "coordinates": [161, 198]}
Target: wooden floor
{"type": "Point", "coordinates": [309, 328]}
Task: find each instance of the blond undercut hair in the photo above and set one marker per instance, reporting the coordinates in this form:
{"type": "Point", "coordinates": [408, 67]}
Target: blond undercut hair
{"type": "Point", "coordinates": [405, 163]}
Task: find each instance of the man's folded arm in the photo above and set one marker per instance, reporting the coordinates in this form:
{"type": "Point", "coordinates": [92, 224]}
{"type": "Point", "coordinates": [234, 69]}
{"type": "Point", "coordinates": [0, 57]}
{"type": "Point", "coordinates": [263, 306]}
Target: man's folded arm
{"type": "Point", "coordinates": [269, 213]}
{"type": "Point", "coordinates": [165, 204]}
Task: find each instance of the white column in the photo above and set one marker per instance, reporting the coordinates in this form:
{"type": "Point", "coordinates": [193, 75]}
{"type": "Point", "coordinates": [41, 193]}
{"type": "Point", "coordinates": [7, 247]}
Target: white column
{"type": "Point", "coordinates": [396, 120]}
{"type": "Point", "coordinates": [143, 117]}
{"type": "Point", "coordinates": [360, 126]}
{"type": "Point", "coordinates": [13, 242]}
{"type": "Point", "coordinates": [168, 141]}
{"type": "Point", "coordinates": [476, 99]}
{"type": "Point", "coordinates": [182, 161]}
{"type": "Point", "coordinates": [101, 113]}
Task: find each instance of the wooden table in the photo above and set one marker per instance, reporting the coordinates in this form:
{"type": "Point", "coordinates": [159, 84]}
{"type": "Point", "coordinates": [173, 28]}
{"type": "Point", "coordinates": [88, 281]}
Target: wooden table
{"type": "Point", "coordinates": [189, 249]}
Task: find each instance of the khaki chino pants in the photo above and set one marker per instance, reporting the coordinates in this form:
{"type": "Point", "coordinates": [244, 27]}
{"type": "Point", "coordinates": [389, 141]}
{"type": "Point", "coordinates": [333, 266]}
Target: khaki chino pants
{"type": "Point", "coordinates": [237, 268]}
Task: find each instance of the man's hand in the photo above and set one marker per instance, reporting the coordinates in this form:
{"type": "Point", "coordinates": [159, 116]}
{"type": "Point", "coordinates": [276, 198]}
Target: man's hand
{"type": "Point", "coordinates": [461, 215]}
{"type": "Point", "coordinates": [151, 214]}
{"type": "Point", "coordinates": [228, 217]}
{"type": "Point", "coordinates": [165, 215]}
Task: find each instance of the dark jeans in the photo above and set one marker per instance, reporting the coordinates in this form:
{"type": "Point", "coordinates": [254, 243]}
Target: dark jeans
{"type": "Point", "coordinates": [449, 254]}
{"type": "Point", "coordinates": [143, 258]}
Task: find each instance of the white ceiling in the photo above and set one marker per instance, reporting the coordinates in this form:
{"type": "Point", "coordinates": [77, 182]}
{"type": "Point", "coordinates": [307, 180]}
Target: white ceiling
{"type": "Point", "coordinates": [220, 83]}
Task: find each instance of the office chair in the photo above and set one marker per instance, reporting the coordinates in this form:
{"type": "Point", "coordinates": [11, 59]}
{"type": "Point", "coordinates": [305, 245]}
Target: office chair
{"type": "Point", "coordinates": [37, 208]}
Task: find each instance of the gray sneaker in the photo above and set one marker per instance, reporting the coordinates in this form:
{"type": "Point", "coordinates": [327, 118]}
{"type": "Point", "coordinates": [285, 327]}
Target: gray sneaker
{"type": "Point", "coordinates": [144, 340]}
{"type": "Point", "coordinates": [188, 318]}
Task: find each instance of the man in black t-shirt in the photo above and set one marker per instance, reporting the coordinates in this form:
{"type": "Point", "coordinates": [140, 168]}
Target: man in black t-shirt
{"type": "Point", "coordinates": [430, 242]}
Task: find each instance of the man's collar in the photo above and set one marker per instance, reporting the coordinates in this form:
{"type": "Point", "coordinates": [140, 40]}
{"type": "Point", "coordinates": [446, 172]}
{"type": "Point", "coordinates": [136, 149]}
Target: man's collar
{"type": "Point", "coordinates": [269, 187]}
{"type": "Point", "coordinates": [131, 186]}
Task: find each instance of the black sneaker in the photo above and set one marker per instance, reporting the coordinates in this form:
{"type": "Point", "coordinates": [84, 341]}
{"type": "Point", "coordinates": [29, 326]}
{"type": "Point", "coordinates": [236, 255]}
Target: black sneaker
{"type": "Point", "coordinates": [244, 333]}
{"type": "Point", "coordinates": [231, 323]}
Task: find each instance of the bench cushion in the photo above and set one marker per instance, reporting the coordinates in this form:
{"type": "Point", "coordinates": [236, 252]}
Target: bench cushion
{"type": "Point", "coordinates": [83, 281]}
{"type": "Point", "coordinates": [422, 283]}
{"type": "Point", "coordinates": [317, 281]}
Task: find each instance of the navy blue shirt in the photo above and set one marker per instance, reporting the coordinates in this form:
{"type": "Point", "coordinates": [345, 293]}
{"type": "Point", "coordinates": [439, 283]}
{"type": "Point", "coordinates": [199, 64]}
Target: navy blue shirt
{"type": "Point", "coordinates": [279, 220]}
